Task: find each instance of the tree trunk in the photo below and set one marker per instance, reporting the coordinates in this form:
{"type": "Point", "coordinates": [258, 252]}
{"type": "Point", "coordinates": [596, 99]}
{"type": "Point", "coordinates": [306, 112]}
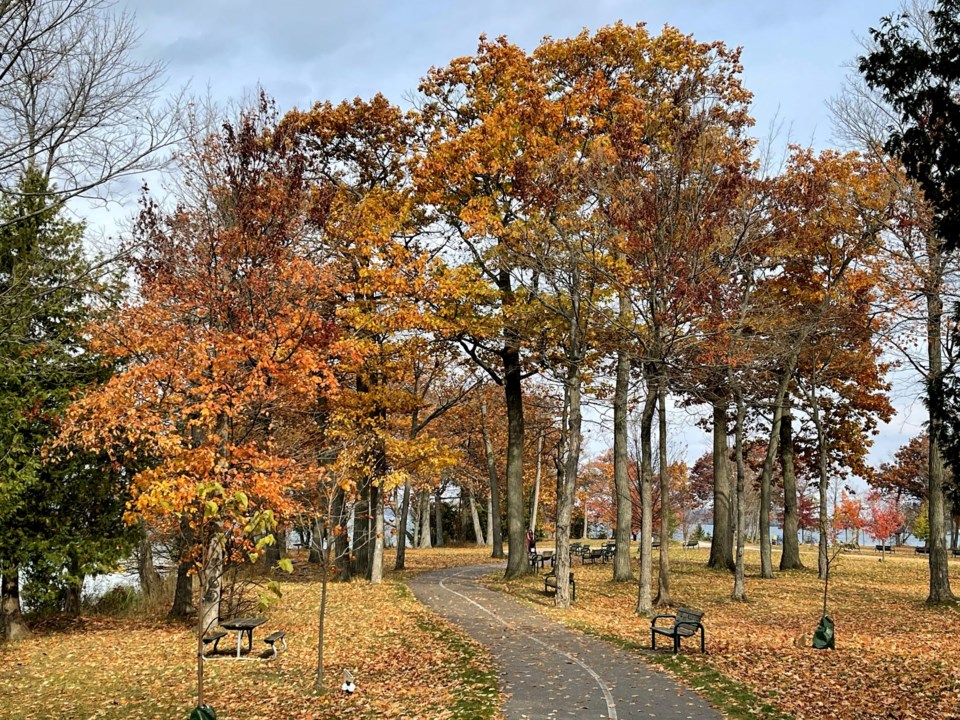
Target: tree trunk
{"type": "Point", "coordinates": [721, 545]}
{"type": "Point", "coordinates": [362, 514]}
{"type": "Point", "coordinates": [790, 555]}
{"type": "Point", "coordinates": [940, 591]}
{"type": "Point", "coordinates": [315, 555]}
{"type": "Point", "coordinates": [211, 576]}
{"type": "Point", "coordinates": [739, 585]}
{"type": "Point", "coordinates": [663, 595]}
{"type": "Point", "coordinates": [645, 591]}
{"type": "Point", "coordinates": [493, 528]}
{"type": "Point", "coordinates": [183, 594]}
{"type": "Point", "coordinates": [375, 572]}
{"type": "Point", "coordinates": [425, 537]}
{"type": "Point", "coordinates": [150, 581]}
{"type": "Point", "coordinates": [622, 571]}
{"type": "Point", "coordinates": [12, 625]}
{"type": "Point", "coordinates": [73, 591]}
{"type": "Point", "coordinates": [766, 477]}
{"type": "Point", "coordinates": [475, 517]}
{"type": "Point", "coordinates": [568, 477]}
{"type": "Point", "coordinates": [438, 516]}
{"type": "Point", "coordinates": [823, 562]}
{"type": "Point", "coordinates": [488, 539]}
{"type": "Point", "coordinates": [517, 564]}
{"type": "Point", "coordinates": [324, 580]}
{"type": "Point", "coordinates": [402, 527]}
{"type": "Point", "coordinates": [341, 542]}
{"type": "Point", "coordinates": [535, 501]}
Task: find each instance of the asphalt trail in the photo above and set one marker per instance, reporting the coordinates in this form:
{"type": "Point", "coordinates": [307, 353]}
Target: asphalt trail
{"type": "Point", "coordinates": [548, 670]}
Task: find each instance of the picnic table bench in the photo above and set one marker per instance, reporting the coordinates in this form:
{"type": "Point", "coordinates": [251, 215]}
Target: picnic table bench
{"type": "Point", "coordinates": [243, 625]}
{"type": "Point", "coordinates": [884, 548]}
{"type": "Point", "coordinates": [685, 624]}
{"type": "Point", "coordinates": [550, 583]}
{"type": "Point", "coordinates": [272, 640]}
{"type": "Point", "coordinates": [215, 638]}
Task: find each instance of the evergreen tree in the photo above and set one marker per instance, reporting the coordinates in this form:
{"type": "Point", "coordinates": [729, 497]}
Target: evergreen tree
{"type": "Point", "coordinates": [61, 511]}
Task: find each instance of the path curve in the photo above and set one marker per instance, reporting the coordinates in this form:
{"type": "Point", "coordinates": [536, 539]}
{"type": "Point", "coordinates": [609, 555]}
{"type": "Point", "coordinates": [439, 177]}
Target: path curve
{"type": "Point", "coordinates": [548, 670]}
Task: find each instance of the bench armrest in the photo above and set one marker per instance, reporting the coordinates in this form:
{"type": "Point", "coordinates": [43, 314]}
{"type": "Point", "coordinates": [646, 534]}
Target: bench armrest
{"type": "Point", "coordinates": [657, 617]}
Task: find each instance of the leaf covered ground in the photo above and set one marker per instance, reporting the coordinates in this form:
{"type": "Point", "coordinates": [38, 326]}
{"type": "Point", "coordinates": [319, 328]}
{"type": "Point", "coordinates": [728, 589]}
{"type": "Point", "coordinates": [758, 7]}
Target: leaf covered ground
{"type": "Point", "coordinates": [407, 662]}
{"type": "Point", "coordinates": [895, 656]}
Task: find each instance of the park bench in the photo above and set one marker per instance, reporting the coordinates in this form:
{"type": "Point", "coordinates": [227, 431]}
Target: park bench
{"type": "Point", "coordinates": [272, 640]}
{"type": "Point", "coordinates": [884, 548]}
{"type": "Point", "coordinates": [550, 583]}
{"type": "Point", "coordinates": [593, 554]}
{"type": "Point", "coordinates": [214, 638]}
{"type": "Point", "coordinates": [609, 550]}
{"type": "Point", "coordinates": [691, 544]}
{"type": "Point", "coordinates": [956, 552]}
{"type": "Point", "coordinates": [685, 624]}
{"type": "Point", "coordinates": [923, 551]}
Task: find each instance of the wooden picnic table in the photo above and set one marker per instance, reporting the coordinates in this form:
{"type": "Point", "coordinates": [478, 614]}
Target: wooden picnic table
{"type": "Point", "coordinates": [243, 625]}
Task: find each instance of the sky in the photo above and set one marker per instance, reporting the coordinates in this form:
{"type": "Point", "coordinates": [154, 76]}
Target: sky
{"type": "Point", "coordinates": [796, 55]}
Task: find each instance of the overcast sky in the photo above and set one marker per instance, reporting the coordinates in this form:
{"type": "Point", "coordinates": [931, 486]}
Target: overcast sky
{"type": "Point", "coordinates": [795, 57]}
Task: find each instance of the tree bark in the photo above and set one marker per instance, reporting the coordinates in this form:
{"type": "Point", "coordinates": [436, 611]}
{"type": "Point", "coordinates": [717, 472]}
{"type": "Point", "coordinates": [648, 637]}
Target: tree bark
{"type": "Point", "coordinates": [645, 591]}
{"type": "Point", "coordinates": [475, 517]}
{"type": "Point", "coordinates": [438, 515]}
{"type": "Point", "coordinates": [739, 585]}
{"type": "Point", "coordinates": [940, 591]}
{"type": "Point", "coordinates": [150, 581]}
{"type": "Point", "coordinates": [375, 571]}
{"type": "Point", "coordinates": [73, 591]}
{"type": "Point", "coordinates": [663, 595]}
{"type": "Point", "coordinates": [361, 531]}
{"type": "Point", "coordinates": [766, 477]}
{"type": "Point", "coordinates": [12, 625]}
{"type": "Point", "coordinates": [721, 544]}
{"type": "Point", "coordinates": [340, 540]}
{"type": "Point", "coordinates": [425, 537]}
{"type": "Point", "coordinates": [493, 528]}
{"type": "Point", "coordinates": [790, 554]}
{"type": "Point", "coordinates": [183, 594]}
{"type": "Point", "coordinates": [402, 527]}
{"type": "Point", "coordinates": [568, 477]}
{"type": "Point", "coordinates": [823, 561]}
{"type": "Point", "coordinates": [517, 564]}
{"type": "Point", "coordinates": [211, 576]}
{"type": "Point", "coordinates": [622, 571]}
{"type": "Point", "coordinates": [535, 501]}
{"type": "Point", "coordinates": [488, 539]}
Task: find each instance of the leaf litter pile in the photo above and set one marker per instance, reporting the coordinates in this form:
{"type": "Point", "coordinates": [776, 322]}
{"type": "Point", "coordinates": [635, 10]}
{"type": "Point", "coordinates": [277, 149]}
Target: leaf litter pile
{"type": "Point", "coordinates": [407, 662]}
{"type": "Point", "coordinates": [895, 657]}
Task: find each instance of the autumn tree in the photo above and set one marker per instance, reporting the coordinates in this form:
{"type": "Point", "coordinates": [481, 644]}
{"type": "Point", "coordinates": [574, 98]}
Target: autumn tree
{"type": "Point", "coordinates": [482, 117]}
{"type": "Point", "coordinates": [884, 519]}
{"type": "Point", "coordinates": [228, 341]}
{"type": "Point", "coordinates": [910, 63]}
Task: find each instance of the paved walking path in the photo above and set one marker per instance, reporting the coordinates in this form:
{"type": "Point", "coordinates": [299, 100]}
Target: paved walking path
{"type": "Point", "coordinates": [548, 670]}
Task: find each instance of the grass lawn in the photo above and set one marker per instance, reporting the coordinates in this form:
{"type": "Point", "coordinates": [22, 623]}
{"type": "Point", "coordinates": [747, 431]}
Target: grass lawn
{"type": "Point", "coordinates": [895, 657]}
{"type": "Point", "coordinates": [407, 662]}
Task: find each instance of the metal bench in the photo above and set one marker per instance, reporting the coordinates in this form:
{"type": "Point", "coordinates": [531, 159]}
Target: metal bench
{"type": "Point", "coordinates": [685, 624]}
{"type": "Point", "coordinates": [593, 554]}
{"type": "Point", "coordinates": [550, 583]}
